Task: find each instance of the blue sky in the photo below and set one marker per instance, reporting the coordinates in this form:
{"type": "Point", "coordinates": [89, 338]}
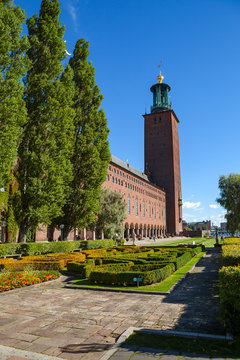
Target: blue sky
{"type": "Point", "coordinates": [198, 42]}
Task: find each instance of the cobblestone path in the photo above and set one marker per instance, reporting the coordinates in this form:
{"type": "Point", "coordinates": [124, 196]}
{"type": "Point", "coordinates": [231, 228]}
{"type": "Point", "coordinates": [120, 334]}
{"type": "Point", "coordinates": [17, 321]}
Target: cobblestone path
{"type": "Point", "coordinates": [81, 324]}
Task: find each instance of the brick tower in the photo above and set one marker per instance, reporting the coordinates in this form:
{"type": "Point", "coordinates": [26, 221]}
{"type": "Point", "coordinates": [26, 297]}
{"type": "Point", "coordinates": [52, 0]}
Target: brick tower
{"type": "Point", "coordinates": [161, 149]}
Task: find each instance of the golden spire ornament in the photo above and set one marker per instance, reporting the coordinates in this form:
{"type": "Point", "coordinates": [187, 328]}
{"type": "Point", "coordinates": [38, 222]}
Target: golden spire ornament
{"type": "Point", "coordinates": [160, 77]}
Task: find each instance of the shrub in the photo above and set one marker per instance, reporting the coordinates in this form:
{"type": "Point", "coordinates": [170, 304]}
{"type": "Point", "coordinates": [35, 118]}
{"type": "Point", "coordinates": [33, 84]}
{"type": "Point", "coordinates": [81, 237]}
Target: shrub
{"type": "Point", "coordinates": [182, 260]}
{"type": "Point", "coordinates": [231, 241]}
{"type": "Point", "coordinates": [119, 242]}
{"type": "Point", "coordinates": [83, 270]}
{"type": "Point", "coordinates": [36, 265]}
{"type": "Point", "coordinates": [125, 278]}
{"type": "Point", "coordinates": [230, 255]}
{"type": "Point", "coordinates": [98, 244]}
{"type": "Point", "coordinates": [229, 283]}
{"type": "Point", "coordinates": [10, 249]}
{"type": "Point", "coordinates": [46, 248]}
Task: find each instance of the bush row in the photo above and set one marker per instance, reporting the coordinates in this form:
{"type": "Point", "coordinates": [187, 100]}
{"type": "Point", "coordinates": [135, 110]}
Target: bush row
{"type": "Point", "coordinates": [29, 249]}
{"type": "Point", "coordinates": [125, 278]}
{"type": "Point", "coordinates": [231, 241]}
{"type": "Point", "coordinates": [230, 255]}
{"type": "Point", "coordinates": [229, 283]}
{"type": "Point", "coordinates": [97, 244]}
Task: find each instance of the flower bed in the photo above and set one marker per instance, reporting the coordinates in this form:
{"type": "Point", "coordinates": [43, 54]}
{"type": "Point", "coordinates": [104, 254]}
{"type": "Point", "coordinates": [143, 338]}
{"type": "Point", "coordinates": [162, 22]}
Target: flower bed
{"type": "Point", "coordinates": [42, 262]}
{"type": "Point", "coordinates": [17, 279]}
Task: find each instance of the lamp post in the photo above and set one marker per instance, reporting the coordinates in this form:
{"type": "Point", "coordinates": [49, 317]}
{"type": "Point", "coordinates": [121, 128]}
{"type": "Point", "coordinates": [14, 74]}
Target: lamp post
{"type": "Point", "coordinates": [3, 226]}
{"type": "Point", "coordinates": [62, 227]}
{"type": "Point", "coordinates": [216, 234]}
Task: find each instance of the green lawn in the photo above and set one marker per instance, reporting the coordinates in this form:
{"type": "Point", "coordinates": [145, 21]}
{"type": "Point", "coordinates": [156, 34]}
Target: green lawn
{"type": "Point", "coordinates": [220, 348]}
{"type": "Point", "coordinates": [164, 286]}
{"type": "Point", "coordinates": [206, 242]}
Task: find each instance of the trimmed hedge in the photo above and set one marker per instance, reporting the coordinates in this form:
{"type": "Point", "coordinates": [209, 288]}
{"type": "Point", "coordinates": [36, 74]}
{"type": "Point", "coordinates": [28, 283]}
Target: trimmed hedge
{"type": "Point", "coordinates": [229, 283]}
{"type": "Point", "coordinates": [99, 244]}
{"type": "Point", "coordinates": [125, 278]}
{"type": "Point", "coordinates": [231, 241]}
{"type": "Point", "coordinates": [182, 260]}
{"type": "Point", "coordinates": [29, 249]}
{"type": "Point", "coordinates": [230, 255]}
{"type": "Point", "coordinates": [83, 270]}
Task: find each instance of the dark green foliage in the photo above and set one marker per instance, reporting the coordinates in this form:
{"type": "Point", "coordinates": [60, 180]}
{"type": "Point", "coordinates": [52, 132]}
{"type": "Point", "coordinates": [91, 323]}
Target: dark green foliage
{"type": "Point", "coordinates": [182, 260]}
{"type": "Point", "coordinates": [119, 242]}
{"type": "Point", "coordinates": [91, 153]}
{"type": "Point", "coordinates": [9, 249]}
{"type": "Point", "coordinates": [230, 199]}
{"type": "Point", "coordinates": [45, 170]}
{"type": "Point", "coordinates": [151, 264]}
{"type": "Point", "coordinates": [125, 278]}
{"type": "Point", "coordinates": [83, 270]}
{"type": "Point", "coordinates": [99, 244]}
{"type": "Point", "coordinates": [29, 249]}
{"type": "Point", "coordinates": [112, 213]}
{"type": "Point", "coordinates": [229, 283]}
{"type": "Point", "coordinates": [12, 68]}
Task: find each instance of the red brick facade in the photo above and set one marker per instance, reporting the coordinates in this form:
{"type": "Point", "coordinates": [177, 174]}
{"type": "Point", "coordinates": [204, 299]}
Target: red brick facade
{"type": "Point", "coordinates": [146, 202]}
{"type": "Point", "coordinates": [162, 162]}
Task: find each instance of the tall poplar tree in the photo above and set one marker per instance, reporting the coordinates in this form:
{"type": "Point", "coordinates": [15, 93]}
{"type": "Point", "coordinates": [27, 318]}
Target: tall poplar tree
{"type": "Point", "coordinates": [91, 153]}
{"type": "Point", "coordinates": [12, 68]}
{"type": "Point", "coordinates": [45, 170]}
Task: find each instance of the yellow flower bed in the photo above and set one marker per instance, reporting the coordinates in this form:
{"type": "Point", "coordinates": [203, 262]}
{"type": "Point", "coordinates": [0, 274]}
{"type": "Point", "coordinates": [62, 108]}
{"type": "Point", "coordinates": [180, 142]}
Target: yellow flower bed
{"type": "Point", "coordinates": [50, 261]}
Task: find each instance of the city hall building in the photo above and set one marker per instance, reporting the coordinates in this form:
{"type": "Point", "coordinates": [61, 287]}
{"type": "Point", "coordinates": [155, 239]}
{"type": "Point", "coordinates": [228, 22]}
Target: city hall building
{"type": "Point", "coordinates": [153, 197]}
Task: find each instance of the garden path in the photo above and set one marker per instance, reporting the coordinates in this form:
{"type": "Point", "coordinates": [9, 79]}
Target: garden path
{"type": "Point", "coordinates": [80, 324]}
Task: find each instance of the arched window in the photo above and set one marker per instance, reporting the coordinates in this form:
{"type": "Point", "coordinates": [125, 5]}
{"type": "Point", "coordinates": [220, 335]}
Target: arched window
{"type": "Point", "coordinates": [136, 206]}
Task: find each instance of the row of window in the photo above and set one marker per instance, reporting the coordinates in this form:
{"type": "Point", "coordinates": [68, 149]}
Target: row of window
{"type": "Point", "coordinates": [152, 212]}
{"type": "Point", "coordinates": [133, 187]}
{"type": "Point", "coordinates": [119, 172]}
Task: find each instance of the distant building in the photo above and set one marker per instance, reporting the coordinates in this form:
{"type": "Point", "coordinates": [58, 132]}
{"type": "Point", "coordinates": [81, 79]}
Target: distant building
{"type": "Point", "coordinates": [201, 225]}
{"type": "Point", "coordinates": [223, 226]}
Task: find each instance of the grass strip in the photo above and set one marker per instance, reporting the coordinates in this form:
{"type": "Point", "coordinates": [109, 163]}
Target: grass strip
{"type": "Point", "coordinates": [210, 347]}
{"type": "Point", "coordinates": [164, 286]}
{"type": "Point", "coordinates": [207, 242]}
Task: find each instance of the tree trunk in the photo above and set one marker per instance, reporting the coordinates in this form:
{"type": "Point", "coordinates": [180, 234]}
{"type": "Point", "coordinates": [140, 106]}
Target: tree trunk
{"type": "Point", "coordinates": [22, 236]}
{"type": "Point", "coordinates": [66, 232]}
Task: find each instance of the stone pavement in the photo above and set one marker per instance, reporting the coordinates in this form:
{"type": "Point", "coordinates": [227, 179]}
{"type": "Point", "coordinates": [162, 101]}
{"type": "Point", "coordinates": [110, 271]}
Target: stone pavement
{"type": "Point", "coordinates": [75, 324]}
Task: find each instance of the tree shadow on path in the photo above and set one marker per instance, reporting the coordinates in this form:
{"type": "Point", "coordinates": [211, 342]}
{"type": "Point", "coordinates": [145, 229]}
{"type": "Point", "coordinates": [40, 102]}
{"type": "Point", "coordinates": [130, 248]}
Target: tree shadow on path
{"type": "Point", "coordinates": [200, 295]}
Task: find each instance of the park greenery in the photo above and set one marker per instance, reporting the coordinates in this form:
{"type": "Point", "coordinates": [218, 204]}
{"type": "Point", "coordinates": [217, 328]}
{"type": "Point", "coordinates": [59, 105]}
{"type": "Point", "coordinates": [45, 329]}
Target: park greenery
{"type": "Point", "coordinates": [229, 198]}
{"type": "Point", "coordinates": [112, 213]}
{"type": "Point", "coordinates": [121, 265]}
{"type": "Point", "coordinates": [54, 148]}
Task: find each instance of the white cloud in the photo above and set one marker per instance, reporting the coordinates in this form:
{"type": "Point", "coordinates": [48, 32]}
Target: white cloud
{"type": "Point", "coordinates": [218, 218]}
{"type": "Point", "coordinates": [213, 206]}
{"type": "Point", "coordinates": [73, 12]}
{"type": "Point", "coordinates": [191, 205]}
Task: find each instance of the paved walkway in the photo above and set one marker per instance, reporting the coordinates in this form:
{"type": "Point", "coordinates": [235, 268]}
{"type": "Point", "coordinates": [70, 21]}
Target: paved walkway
{"type": "Point", "coordinates": [49, 319]}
